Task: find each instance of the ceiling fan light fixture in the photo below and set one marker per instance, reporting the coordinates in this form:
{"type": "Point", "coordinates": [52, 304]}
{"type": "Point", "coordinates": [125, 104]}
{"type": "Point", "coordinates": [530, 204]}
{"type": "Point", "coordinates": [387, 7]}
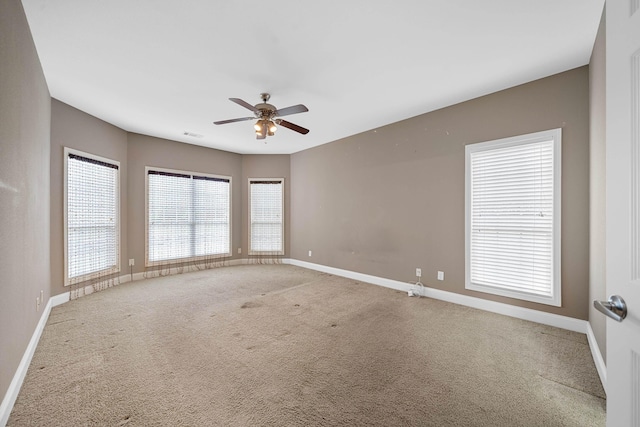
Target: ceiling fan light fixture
{"type": "Point", "coordinates": [267, 116]}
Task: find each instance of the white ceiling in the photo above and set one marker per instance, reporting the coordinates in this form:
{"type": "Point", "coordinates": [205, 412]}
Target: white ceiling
{"type": "Point", "coordinates": [163, 67]}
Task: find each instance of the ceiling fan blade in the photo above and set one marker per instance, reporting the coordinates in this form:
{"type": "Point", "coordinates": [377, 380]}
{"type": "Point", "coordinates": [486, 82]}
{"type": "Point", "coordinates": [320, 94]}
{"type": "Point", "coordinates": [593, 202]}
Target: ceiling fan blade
{"type": "Point", "coordinates": [245, 104]}
{"type": "Point", "coordinates": [294, 127]}
{"type": "Point", "coordinates": [294, 109]}
{"type": "Point", "coordinates": [241, 119]}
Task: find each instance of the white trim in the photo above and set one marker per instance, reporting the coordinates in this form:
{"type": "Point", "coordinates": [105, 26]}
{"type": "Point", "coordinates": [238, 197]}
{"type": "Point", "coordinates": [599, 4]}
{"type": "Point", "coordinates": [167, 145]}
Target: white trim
{"type": "Point", "coordinates": [18, 378]}
{"type": "Point", "coordinates": [544, 318]}
{"type": "Point", "coordinates": [380, 281]}
{"type": "Point", "coordinates": [563, 322]}
{"type": "Point", "coordinates": [555, 135]}
{"type": "Point", "coordinates": [126, 278]}
{"type": "Point", "coordinates": [59, 299]}
{"type": "Point", "coordinates": [601, 366]}
{"type": "Point", "coordinates": [88, 289]}
{"type": "Point", "coordinates": [148, 263]}
{"type": "Point", "coordinates": [250, 251]}
{"type": "Point", "coordinates": [65, 202]}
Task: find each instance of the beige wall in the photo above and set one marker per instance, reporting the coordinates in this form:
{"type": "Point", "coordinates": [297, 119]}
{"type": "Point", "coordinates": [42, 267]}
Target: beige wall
{"type": "Point", "coordinates": [150, 151]}
{"type": "Point", "coordinates": [75, 129]}
{"type": "Point", "coordinates": [597, 136]}
{"type": "Point", "coordinates": [392, 199]}
{"type": "Point", "coordinates": [261, 166]}
{"type": "Point", "coordinates": [25, 108]}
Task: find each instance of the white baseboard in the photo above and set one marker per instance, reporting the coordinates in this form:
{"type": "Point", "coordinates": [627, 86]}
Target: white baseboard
{"type": "Point", "coordinates": [59, 299]}
{"type": "Point", "coordinates": [601, 367]}
{"type": "Point", "coordinates": [380, 281]}
{"type": "Point", "coordinates": [171, 270]}
{"type": "Point", "coordinates": [126, 278]}
{"type": "Point", "coordinates": [563, 322]}
{"type": "Point", "coordinates": [550, 319]}
{"type": "Point", "coordinates": [16, 383]}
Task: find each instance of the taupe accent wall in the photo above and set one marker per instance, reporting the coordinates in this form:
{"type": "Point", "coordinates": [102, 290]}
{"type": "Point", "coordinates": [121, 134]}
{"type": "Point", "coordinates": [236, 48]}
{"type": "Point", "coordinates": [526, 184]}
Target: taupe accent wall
{"type": "Point", "coordinates": [597, 225]}
{"type": "Point", "coordinates": [25, 111]}
{"type": "Point", "coordinates": [151, 151]}
{"type": "Point", "coordinates": [76, 129]}
{"type": "Point", "coordinates": [269, 166]}
{"type": "Point", "coordinates": [392, 199]}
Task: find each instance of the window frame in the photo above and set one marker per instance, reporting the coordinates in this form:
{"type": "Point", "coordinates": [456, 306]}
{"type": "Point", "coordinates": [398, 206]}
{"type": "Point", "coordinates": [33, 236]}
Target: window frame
{"type": "Point", "coordinates": [555, 135]}
{"type": "Point", "coordinates": [196, 259]}
{"type": "Point", "coordinates": [250, 250]}
{"type": "Point", "coordinates": [95, 274]}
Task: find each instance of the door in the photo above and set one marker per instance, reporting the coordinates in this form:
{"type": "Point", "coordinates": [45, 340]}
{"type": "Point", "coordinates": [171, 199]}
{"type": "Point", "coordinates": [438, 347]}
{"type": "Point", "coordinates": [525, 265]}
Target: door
{"type": "Point", "coordinates": [623, 209]}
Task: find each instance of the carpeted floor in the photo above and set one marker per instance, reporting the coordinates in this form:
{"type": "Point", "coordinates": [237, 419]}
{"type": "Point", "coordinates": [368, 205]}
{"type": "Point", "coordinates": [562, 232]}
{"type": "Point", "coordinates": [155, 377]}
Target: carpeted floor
{"type": "Point", "coordinates": [284, 346]}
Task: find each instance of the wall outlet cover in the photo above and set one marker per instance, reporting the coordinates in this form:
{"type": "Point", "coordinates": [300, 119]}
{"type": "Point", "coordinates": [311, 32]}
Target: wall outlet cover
{"type": "Point", "coordinates": [440, 275]}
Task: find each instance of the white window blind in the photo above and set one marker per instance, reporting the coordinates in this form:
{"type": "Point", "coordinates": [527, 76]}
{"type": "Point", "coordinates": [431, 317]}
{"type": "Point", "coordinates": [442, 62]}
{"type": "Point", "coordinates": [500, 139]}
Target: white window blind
{"type": "Point", "coordinates": [266, 216]}
{"type": "Point", "coordinates": [92, 217]}
{"type": "Point", "coordinates": [188, 216]}
{"type": "Point", "coordinates": [513, 189]}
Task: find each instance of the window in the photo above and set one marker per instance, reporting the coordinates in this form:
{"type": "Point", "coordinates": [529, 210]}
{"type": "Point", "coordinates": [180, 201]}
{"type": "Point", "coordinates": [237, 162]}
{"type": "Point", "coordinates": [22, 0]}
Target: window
{"type": "Point", "coordinates": [92, 220]}
{"type": "Point", "coordinates": [266, 216]}
{"type": "Point", "coordinates": [513, 217]}
{"type": "Point", "coordinates": [188, 216]}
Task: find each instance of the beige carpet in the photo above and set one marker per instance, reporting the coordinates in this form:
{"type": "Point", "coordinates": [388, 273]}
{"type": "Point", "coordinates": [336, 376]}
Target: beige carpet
{"type": "Point", "coordinates": [284, 346]}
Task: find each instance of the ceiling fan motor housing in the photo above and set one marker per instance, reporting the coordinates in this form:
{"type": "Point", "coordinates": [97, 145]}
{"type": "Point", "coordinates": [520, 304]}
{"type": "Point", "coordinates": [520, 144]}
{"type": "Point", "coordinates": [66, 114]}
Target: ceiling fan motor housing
{"type": "Point", "coordinates": [265, 111]}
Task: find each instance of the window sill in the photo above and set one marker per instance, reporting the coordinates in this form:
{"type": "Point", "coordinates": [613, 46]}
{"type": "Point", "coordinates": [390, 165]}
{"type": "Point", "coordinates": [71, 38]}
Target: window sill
{"type": "Point", "coordinates": [540, 299]}
{"type": "Point", "coordinates": [174, 261]}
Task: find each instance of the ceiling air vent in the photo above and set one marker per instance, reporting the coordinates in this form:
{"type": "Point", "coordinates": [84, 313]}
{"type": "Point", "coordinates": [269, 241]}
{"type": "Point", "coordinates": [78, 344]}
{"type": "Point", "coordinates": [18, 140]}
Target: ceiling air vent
{"type": "Point", "coordinates": [193, 135]}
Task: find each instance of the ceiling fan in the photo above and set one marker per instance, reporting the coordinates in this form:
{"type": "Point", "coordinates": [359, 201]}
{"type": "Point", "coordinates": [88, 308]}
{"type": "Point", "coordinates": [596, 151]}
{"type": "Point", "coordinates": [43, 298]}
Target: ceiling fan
{"type": "Point", "coordinates": [268, 117]}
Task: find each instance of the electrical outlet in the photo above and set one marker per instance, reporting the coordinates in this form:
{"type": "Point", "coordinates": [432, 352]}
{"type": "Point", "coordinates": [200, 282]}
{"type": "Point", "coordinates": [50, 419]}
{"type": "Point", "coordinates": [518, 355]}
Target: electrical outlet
{"type": "Point", "coordinates": [309, 253]}
{"type": "Point", "coordinates": [239, 250]}
{"type": "Point", "coordinates": [41, 296]}
{"type": "Point", "coordinates": [132, 262]}
{"type": "Point", "coordinates": [440, 275]}
{"type": "Point", "coordinates": [38, 304]}
{"type": "Point", "coordinates": [418, 272]}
